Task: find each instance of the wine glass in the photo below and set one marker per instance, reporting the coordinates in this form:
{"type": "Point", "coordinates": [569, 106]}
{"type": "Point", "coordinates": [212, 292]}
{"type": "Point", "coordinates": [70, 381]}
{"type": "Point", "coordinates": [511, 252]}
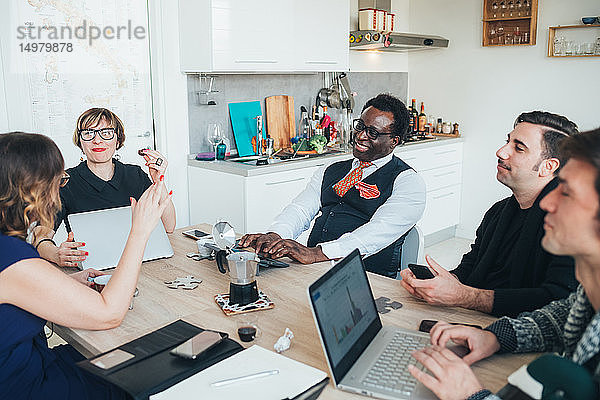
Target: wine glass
{"type": "Point", "coordinates": [494, 10]}
{"type": "Point", "coordinates": [215, 135]}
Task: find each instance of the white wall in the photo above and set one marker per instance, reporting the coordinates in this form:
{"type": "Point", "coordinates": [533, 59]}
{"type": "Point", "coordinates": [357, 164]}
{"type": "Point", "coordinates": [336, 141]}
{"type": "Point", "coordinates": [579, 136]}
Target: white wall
{"type": "Point", "coordinates": [169, 95]}
{"type": "Point", "coordinates": [485, 88]}
{"type": "Point", "coordinates": [371, 61]}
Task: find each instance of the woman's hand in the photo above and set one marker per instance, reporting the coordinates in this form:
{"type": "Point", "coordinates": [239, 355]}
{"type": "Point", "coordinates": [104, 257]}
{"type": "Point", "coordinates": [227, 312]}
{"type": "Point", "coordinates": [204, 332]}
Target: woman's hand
{"type": "Point", "coordinates": [146, 211]}
{"type": "Point", "coordinates": [68, 254]}
{"type": "Point", "coordinates": [82, 276]}
{"type": "Point", "coordinates": [156, 163]}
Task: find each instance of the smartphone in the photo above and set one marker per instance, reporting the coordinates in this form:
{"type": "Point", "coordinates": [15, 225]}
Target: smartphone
{"type": "Point", "coordinates": [112, 359]}
{"type": "Point", "coordinates": [195, 234]}
{"type": "Point", "coordinates": [421, 271]}
{"type": "Point", "coordinates": [200, 343]}
{"type": "Point", "coordinates": [427, 324]}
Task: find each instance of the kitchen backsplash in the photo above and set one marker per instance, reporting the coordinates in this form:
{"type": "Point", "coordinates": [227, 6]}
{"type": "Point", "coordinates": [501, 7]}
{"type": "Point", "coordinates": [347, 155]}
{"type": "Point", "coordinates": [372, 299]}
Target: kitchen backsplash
{"type": "Point", "coordinates": [303, 87]}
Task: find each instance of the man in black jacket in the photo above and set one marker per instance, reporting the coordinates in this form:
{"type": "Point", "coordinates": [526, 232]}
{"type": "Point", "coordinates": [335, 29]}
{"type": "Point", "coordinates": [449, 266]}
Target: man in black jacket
{"type": "Point", "coordinates": [507, 271]}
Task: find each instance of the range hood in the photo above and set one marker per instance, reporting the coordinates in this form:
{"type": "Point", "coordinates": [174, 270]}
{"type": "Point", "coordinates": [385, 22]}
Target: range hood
{"type": "Point", "coordinates": [394, 41]}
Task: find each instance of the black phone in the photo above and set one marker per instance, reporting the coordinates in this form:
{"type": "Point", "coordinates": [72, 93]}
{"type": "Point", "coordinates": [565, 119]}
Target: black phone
{"type": "Point", "coordinates": [421, 271]}
{"type": "Point", "coordinates": [197, 345]}
{"type": "Point", "coordinates": [427, 324]}
{"type": "Point", "coordinates": [195, 234]}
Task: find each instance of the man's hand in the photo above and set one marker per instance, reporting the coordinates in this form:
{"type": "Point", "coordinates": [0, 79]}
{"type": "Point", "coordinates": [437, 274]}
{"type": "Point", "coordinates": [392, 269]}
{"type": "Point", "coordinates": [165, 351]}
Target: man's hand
{"type": "Point", "coordinates": [82, 276]}
{"type": "Point", "coordinates": [482, 343]}
{"type": "Point", "coordinates": [258, 241]}
{"type": "Point", "coordinates": [452, 378]}
{"type": "Point", "coordinates": [444, 289]}
{"type": "Point", "coordinates": [68, 255]}
{"type": "Point", "coordinates": [295, 251]}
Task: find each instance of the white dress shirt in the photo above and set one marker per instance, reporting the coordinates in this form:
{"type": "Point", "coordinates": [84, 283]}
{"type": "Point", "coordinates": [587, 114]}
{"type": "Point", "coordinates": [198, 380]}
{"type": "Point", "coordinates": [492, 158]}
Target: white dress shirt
{"type": "Point", "coordinates": [391, 220]}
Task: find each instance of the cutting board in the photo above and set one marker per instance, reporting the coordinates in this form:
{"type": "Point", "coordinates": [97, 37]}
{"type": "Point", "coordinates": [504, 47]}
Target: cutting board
{"type": "Point", "coordinates": [281, 121]}
{"type": "Point", "coordinates": [244, 125]}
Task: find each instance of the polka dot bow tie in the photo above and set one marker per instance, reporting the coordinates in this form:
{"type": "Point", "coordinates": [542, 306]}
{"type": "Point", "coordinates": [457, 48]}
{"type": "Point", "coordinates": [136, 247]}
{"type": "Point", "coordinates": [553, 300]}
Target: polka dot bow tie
{"type": "Point", "coordinates": [351, 179]}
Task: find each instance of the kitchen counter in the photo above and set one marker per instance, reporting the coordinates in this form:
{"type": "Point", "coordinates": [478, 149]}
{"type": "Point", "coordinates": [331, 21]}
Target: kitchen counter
{"type": "Point", "coordinates": [250, 169]}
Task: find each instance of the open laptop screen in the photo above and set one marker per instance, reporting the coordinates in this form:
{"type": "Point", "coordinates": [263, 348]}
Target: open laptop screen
{"type": "Point", "coordinates": [345, 311]}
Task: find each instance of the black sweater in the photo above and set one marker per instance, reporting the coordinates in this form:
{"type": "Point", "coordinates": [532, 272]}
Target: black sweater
{"type": "Point", "coordinates": [536, 276]}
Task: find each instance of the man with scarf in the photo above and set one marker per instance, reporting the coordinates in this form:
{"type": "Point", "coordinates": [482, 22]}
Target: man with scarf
{"type": "Point", "coordinates": [507, 271]}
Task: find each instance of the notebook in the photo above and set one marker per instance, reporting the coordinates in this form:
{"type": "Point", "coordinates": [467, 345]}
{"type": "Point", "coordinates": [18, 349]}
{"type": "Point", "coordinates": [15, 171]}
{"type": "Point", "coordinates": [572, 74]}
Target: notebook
{"type": "Point", "coordinates": [291, 380]}
{"type": "Point", "coordinates": [105, 233]}
{"type": "Point", "coordinates": [363, 356]}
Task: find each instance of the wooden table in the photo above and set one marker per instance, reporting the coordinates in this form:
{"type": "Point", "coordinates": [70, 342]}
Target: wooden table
{"type": "Point", "coordinates": [157, 306]}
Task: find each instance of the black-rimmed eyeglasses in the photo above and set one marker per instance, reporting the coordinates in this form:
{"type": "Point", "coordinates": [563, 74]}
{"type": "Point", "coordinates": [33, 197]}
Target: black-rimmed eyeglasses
{"type": "Point", "coordinates": [89, 134]}
{"type": "Point", "coordinates": [359, 125]}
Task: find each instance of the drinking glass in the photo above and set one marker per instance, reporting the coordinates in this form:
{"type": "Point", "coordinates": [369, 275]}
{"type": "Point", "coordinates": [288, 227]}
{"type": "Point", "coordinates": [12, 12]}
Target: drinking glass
{"type": "Point", "coordinates": [569, 48]}
{"type": "Point", "coordinates": [494, 10]}
{"type": "Point", "coordinates": [511, 8]}
{"type": "Point", "coordinates": [508, 38]}
{"type": "Point", "coordinates": [559, 46]}
{"type": "Point", "coordinates": [519, 7]}
{"type": "Point", "coordinates": [526, 7]}
{"type": "Point", "coordinates": [588, 48]}
{"type": "Point", "coordinates": [215, 136]}
{"type": "Point", "coordinates": [526, 37]}
{"type": "Point", "coordinates": [502, 9]}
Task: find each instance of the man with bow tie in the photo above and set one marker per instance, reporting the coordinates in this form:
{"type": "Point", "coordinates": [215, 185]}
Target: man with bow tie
{"type": "Point", "coordinates": [368, 202]}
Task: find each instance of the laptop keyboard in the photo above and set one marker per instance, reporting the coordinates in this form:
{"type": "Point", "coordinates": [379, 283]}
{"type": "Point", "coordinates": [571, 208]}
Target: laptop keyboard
{"type": "Point", "coordinates": [390, 370]}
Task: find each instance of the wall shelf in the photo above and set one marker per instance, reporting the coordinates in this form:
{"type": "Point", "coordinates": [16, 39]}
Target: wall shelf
{"type": "Point", "coordinates": [595, 46]}
{"type": "Point", "coordinates": [509, 22]}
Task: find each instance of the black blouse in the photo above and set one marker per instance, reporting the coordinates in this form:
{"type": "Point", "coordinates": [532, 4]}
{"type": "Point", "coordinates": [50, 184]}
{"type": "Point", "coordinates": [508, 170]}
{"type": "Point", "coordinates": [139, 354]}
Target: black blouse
{"type": "Point", "coordinates": [87, 192]}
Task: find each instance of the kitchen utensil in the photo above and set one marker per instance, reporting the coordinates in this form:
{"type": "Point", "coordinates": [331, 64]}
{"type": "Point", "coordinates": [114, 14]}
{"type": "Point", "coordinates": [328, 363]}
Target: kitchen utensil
{"type": "Point", "coordinates": [281, 120]}
{"type": "Point", "coordinates": [244, 125]}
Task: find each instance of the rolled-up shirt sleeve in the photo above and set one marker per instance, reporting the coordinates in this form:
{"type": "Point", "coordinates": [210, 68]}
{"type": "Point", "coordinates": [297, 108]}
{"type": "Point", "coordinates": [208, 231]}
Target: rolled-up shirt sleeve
{"type": "Point", "coordinates": [297, 216]}
{"type": "Point", "coordinates": [403, 209]}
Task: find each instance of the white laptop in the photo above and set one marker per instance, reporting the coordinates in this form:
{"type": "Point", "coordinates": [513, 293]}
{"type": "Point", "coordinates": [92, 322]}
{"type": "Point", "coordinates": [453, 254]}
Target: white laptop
{"type": "Point", "coordinates": [363, 356]}
{"type": "Point", "coordinates": [105, 233]}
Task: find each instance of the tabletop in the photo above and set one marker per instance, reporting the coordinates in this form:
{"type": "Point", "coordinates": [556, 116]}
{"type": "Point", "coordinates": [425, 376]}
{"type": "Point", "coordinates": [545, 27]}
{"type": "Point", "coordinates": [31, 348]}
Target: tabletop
{"type": "Point", "coordinates": [157, 306]}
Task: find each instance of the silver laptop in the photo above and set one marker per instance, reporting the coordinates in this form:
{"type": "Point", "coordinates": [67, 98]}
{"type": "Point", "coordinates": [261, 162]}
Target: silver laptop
{"type": "Point", "coordinates": [363, 356]}
{"type": "Point", "coordinates": [105, 233]}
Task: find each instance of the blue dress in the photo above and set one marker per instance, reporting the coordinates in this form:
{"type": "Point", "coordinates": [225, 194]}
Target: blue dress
{"type": "Point", "coordinates": [28, 368]}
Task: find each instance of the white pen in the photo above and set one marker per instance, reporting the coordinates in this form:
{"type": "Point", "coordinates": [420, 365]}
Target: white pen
{"type": "Point", "coordinates": [245, 378]}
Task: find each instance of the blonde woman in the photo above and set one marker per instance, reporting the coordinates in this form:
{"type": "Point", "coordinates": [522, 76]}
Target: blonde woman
{"type": "Point", "coordinates": [100, 181]}
{"type": "Point", "coordinates": [33, 291]}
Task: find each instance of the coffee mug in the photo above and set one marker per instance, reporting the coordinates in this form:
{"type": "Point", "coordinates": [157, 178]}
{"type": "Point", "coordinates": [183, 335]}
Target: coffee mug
{"type": "Point", "coordinates": [247, 327]}
{"type": "Point", "coordinates": [101, 281]}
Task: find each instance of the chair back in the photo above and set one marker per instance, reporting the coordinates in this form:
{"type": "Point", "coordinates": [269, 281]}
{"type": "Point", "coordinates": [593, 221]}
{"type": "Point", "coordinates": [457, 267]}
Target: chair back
{"type": "Point", "coordinates": [412, 249]}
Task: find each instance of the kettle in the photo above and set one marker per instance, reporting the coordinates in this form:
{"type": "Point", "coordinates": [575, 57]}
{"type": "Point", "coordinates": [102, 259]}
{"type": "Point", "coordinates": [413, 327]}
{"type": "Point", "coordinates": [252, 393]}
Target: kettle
{"type": "Point", "coordinates": [241, 265]}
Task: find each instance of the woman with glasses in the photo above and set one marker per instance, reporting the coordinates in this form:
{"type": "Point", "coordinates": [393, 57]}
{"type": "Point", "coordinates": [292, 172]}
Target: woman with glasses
{"type": "Point", "coordinates": [100, 181]}
{"type": "Point", "coordinates": [33, 291]}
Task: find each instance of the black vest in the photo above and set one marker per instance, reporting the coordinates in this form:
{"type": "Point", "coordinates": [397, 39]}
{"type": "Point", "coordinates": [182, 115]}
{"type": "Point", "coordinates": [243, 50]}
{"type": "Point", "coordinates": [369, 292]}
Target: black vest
{"type": "Point", "coordinates": [340, 215]}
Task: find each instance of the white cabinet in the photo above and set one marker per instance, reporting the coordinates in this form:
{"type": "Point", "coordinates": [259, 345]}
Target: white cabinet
{"type": "Point", "coordinates": [441, 169]}
{"type": "Point", "coordinates": [251, 200]}
{"type": "Point", "coordinates": [249, 203]}
{"type": "Point", "coordinates": [263, 35]}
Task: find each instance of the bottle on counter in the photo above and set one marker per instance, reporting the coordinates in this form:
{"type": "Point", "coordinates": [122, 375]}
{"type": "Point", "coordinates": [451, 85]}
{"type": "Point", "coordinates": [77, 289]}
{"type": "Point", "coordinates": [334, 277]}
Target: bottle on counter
{"type": "Point", "coordinates": [326, 123]}
{"type": "Point", "coordinates": [438, 127]}
{"type": "Point", "coordinates": [422, 119]}
{"type": "Point", "coordinates": [304, 126]}
{"type": "Point", "coordinates": [411, 122]}
{"type": "Point", "coordinates": [414, 115]}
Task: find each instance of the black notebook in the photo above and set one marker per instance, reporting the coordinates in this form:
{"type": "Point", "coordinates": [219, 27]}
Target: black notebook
{"type": "Point", "coordinates": [152, 368]}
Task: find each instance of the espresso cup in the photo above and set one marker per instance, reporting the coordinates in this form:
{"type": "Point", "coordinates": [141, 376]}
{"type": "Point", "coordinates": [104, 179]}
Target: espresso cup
{"type": "Point", "coordinates": [101, 281]}
{"type": "Point", "coordinates": [247, 327]}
